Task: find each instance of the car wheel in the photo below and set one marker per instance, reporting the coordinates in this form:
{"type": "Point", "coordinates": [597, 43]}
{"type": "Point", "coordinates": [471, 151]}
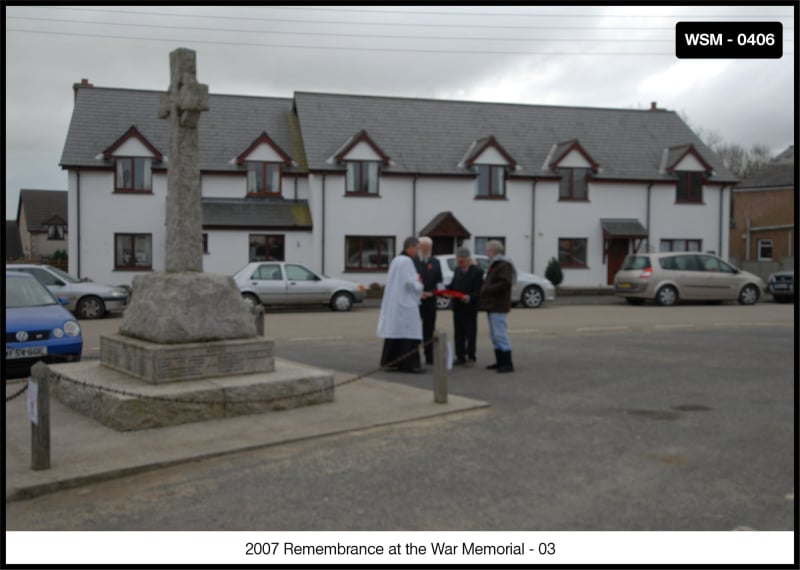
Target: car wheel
{"type": "Point", "coordinates": [251, 300]}
{"type": "Point", "coordinates": [667, 296]}
{"type": "Point", "coordinates": [634, 300]}
{"type": "Point", "coordinates": [748, 295]}
{"type": "Point", "coordinates": [342, 301]}
{"type": "Point", "coordinates": [91, 308]}
{"type": "Point", "coordinates": [443, 303]}
{"type": "Point", "coordinates": [532, 297]}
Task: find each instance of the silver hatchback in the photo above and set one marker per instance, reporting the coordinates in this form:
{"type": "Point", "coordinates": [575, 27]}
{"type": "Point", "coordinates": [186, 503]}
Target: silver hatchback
{"type": "Point", "coordinates": [668, 278]}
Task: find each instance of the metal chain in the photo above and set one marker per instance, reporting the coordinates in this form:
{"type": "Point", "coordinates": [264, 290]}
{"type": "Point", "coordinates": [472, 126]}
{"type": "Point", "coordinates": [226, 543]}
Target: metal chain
{"type": "Point", "coordinates": [259, 401]}
{"type": "Point", "coordinates": [17, 394]}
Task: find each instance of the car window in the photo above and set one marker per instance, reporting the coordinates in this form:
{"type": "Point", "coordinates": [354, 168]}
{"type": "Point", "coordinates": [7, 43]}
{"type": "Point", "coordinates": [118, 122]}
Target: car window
{"type": "Point", "coordinates": [299, 273]}
{"type": "Point", "coordinates": [268, 272]}
{"type": "Point", "coordinates": [687, 263]}
{"type": "Point", "coordinates": [44, 277]}
{"type": "Point", "coordinates": [708, 263]}
{"type": "Point", "coordinates": [65, 277]}
{"type": "Point", "coordinates": [26, 292]}
{"type": "Point", "coordinates": [634, 262]}
{"type": "Point", "coordinates": [451, 263]}
{"type": "Point", "coordinates": [483, 263]}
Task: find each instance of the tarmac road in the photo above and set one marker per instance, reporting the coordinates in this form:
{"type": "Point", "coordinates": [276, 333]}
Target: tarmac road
{"type": "Point", "coordinates": [618, 418]}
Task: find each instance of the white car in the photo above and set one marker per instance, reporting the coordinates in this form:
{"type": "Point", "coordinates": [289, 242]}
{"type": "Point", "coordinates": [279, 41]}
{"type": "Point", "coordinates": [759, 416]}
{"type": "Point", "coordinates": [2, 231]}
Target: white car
{"type": "Point", "coordinates": [530, 290]}
{"type": "Point", "coordinates": [86, 300]}
{"type": "Point", "coordinates": [280, 283]}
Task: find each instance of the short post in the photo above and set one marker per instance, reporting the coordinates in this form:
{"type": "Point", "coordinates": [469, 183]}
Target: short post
{"type": "Point", "coordinates": [258, 312]}
{"type": "Point", "coordinates": [440, 367]}
{"type": "Point", "coordinates": [39, 414]}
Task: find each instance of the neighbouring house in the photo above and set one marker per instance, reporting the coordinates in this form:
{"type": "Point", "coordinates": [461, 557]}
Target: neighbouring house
{"type": "Point", "coordinates": [13, 246]}
{"type": "Point", "coordinates": [338, 181]}
{"type": "Point", "coordinates": [763, 234]}
{"type": "Point", "coordinates": [42, 220]}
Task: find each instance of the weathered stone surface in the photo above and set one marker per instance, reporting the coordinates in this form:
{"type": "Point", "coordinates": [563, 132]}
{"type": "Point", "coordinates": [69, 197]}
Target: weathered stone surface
{"type": "Point", "coordinates": [186, 307]}
{"type": "Point", "coordinates": [160, 363]}
{"type": "Point", "coordinates": [94, 390]}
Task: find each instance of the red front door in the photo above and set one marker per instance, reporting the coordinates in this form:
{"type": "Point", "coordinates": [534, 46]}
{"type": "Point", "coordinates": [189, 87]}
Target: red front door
{"type": "Point", "coordinates": [617, 250]}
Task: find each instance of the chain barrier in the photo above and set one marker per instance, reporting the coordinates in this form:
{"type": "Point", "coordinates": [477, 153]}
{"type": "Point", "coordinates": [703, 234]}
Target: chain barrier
{"type": "Point", "coordinates": [386, 366]}
{"type": "Point", "coordinates": [17, 394]}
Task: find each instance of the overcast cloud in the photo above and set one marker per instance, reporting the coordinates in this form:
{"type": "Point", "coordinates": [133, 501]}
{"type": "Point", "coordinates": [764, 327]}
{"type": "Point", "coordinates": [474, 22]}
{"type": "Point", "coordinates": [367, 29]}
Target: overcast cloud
{"type": "Point", "coordinates": [592, 56]}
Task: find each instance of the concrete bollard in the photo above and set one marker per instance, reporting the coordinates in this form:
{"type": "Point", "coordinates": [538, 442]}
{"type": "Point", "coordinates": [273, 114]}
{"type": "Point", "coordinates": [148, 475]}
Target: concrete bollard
{"type": "Point", "coordinates": [440, 367]}
{"type": "Point", "coordinates": [39, 415]}
{"type": "Point", "coordinates": [258, 315]}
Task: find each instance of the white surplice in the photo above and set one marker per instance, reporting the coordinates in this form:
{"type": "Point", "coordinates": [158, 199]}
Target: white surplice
{"type": "Point", "coordinates": [400, 306]}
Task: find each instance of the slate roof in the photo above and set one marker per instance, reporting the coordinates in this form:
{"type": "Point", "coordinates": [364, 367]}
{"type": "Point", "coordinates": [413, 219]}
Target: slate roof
{"type": "Point", "coordinates": [13, 244]}
{"type": "Point", "coordinates": [41, 206]}
{"type": "Point", "coordinates": [777, 173]}
{"type": "Point", "coordinates": [423, 136]}
{"type": "Point", "coordinates": [256, 213]}
{"type": "Point", "coordinates": [431, 136]}
{"type": "Point", "coordinates": [228, 128]}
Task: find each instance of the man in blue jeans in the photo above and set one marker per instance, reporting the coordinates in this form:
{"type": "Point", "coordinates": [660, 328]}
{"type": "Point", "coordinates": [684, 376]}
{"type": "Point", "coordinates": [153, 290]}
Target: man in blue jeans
{"type": "Point", "coordinates": [496, 300]}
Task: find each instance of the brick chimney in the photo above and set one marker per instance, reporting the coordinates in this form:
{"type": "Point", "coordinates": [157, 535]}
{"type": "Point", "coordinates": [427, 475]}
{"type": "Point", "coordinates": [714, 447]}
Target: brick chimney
{"type": "Point", "coordinates": [653, 106]}
{"type": "Point", "coordinates": [84, 84]}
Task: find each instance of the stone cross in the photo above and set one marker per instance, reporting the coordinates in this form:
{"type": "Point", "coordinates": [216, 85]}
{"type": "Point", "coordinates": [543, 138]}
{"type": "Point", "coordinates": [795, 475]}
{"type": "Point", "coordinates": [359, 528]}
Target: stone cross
{"type": "Point", "coordinates": [182, 105]}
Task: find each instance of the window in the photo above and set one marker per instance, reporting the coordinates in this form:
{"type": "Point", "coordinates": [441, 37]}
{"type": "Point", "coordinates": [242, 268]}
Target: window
{"type": "Point", "coordinates": [299, 273]}
{"type": "Point", "coordinates": [491, 181]}
{"type": "Point", "coordinates": [765, 250]}
{"type": "Point", "coordinates": [680, 263]}
{"type": "Point", "coordinates": [572, 252]}
{"type": "Point", "coordinates": [263, 179]}
{"type": "Point", "coordinates": [133, 174]}
{"type": "Point", "coordinates": [680, 245]}
{"type": "Point", "coordinates": [55, 232]}
{"type": "Point", "coordinates": [362, 177]}
{"type": "Point", "coordinates": [266, 248]}
{"type": "Point", "coordinates": [268, 272]}
{"type": "Point", "coordinates": [574, 184]}
{"type": "Point", "coordinates": [480, 243]}
{"type": "Point", "coordinates": [133, 251]}
{"type": "Point", "coordinates": [368, 253]}
{"type": "Point", "coordinates": [708, 263]}
{"type": "Point", "coordinates": [690, 187]}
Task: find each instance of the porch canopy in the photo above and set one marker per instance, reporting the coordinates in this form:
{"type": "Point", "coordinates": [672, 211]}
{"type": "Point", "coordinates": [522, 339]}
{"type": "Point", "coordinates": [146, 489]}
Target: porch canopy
{"type": "Point", "coordinates": [445, 224]}
{"type": "Point", "coordinates": [622, 228]}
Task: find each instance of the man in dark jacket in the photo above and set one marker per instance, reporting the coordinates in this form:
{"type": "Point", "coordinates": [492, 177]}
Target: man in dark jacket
{"type": "Point", "coordinates": [496, 300]}
{"type": "Point", "coordinates": [467, 279]}
{"type": "Point", "coordinates": [431, 272]}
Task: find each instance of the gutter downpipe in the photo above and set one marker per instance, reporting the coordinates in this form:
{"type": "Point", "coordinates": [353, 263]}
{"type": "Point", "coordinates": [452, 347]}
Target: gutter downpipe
{"type": "Point", "coordinates": [647, 217]}
{"type": "Point", "coordinates": [721, 208]}
{"type": "Point", "coordinates": [533, 224]}
{"type": "Point", "coordinates": [414, 205]}
{"type": "Point", "coordinates": [78, 223]}
{"type": "Point", "coordinates": [323, 223]}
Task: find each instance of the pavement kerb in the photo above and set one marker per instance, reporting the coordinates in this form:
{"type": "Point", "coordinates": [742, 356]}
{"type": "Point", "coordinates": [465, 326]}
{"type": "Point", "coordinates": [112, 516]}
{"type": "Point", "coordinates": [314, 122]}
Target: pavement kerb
{"type": "Point", "coordinates": [345, 414]}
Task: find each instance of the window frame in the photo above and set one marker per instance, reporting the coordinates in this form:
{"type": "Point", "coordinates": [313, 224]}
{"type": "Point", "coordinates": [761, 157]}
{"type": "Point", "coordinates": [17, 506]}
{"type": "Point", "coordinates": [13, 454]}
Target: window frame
{"type": "Point", "coordinates": [763, 243]}
{"type": "Point", "coordinates": [263, 167]}
{"type": "Point", "coordinates": [490, 168]}
{"type": "Point", "coordinates": [360, 268]}
{"type": "Point", "coordinates": [683, 188]}
{"type": "Point", "coordinates": [267, 249]}
{"type": "Point", "coordinates": [482, 250]}
{"type": "Point", "coordinates": [571, 264]}
{"type": "Point", "coordinates": [58, 229]}
{"type": "Point", "coordinates": [148, 174]}
{"type": "Point", "coordinates": [362, 167]}
{"type": "Point", "coordinates": [671, 244]}
{"type": "Point", "coordinates": [568, 180]}
{"type": "Point", "coordinates": [132, 266]}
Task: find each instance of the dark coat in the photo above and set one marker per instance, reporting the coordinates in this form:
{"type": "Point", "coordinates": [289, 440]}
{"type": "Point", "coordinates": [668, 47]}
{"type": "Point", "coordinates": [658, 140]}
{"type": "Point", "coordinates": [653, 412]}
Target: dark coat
{"type": "Point", "coordinates": [468, 282]}
{"type": "Point", "coordinates": [431, 273]}
{"type": "Point", "coordinates": [496, 290]}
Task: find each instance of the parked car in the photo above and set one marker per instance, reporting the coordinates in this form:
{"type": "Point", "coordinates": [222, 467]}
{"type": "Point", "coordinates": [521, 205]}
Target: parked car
{"type": "Point", "coordinates": [86, 300]}
{"type": "Point", "coordinates": [279, 283]}
{"type": "Point", "coordinates": [530, 290]}
{"type": "Point", "coordinates": [781, 286]}
{"type": "Point", "coordinates": [38, 327]}
{"type": "Point", "coordinates": [670, 277]}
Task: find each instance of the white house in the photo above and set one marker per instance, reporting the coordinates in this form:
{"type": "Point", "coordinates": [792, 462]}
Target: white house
{"type": "Point", "coordinates": [336, 182]}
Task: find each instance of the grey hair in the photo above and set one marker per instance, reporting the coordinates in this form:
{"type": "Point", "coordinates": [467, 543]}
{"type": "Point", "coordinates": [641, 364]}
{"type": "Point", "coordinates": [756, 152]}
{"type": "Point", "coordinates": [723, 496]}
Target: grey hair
{"type": "Point", "coordinates": [425, 240]}
{"type": "Point", "coordinates": [410, 241]}
{"type": "Point", "coordinates": [496, 246]}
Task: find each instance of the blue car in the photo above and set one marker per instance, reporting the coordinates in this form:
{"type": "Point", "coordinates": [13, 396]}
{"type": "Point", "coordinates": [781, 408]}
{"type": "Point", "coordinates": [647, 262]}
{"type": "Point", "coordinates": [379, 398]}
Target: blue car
{"type": "Point", "coordinates": [38, 327]}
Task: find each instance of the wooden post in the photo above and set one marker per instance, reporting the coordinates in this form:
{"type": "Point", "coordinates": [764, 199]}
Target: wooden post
{"type": "Point", "coordinates": [440, 367]}
{"type": "Point", "coordinates": [39, 414]}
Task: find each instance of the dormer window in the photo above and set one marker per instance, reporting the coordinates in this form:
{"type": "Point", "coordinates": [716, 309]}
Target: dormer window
{"type": "Point", "coordinates": [55, 232]}
{"type": "Point", "coordinates": [362, 177]}
{"type": "Point", "coordinates": [690, 187]}
{"type": "Point", "coordinates": [491, 181]}
{"type": "Point", "coordinates": [688, 165]}
{"type": "Point", "coordinates": [574, 164]}
{"type": "Point", "coordinates": [133, 174]}
{"type": "Point", "coordinates": [574, 183]}
{"type": "Point", "coordinates": [263, 178]}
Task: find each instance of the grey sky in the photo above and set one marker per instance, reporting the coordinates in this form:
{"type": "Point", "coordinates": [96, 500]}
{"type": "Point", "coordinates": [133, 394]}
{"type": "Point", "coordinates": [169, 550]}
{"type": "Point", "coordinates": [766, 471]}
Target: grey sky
{"type": "Point", "coordinates": [592, 56]}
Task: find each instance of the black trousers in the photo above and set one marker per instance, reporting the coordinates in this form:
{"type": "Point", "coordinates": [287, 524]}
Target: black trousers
{"type": "Point", "coordinates": [465, 325]}
{"type": "Point", "coordinates": [427, 310]}
{"type": "Point", "coordinates": [394, 348]}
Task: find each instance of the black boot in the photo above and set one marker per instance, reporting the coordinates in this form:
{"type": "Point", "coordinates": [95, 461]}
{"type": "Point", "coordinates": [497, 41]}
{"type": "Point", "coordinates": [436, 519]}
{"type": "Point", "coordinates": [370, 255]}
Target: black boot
{"type": "Point", "coordinates": [505, 362]}
{"type": "Point", "coordinates": [496, 365]}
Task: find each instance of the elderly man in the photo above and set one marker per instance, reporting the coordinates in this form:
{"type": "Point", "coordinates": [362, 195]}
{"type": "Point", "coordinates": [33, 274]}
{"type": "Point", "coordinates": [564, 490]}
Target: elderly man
{"type": "Point", "coordinates": [496, 300]}
{"type": "Point", "coordinates": [431, 272]}
{"type": "Point", "coordinates": [399, 323]}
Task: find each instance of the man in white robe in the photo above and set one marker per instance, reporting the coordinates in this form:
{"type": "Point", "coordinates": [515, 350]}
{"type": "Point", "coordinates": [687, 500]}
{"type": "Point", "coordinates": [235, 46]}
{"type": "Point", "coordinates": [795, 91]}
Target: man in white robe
{"type": "Point", "coordinates": [400, 323]}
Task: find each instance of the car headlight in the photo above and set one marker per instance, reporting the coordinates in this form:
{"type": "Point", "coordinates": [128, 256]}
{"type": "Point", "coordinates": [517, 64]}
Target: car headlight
{"type": "Point", "coordinates": [58, 333]}
{"type": "Point", "coordinates": [72, 328]}
{"type": "Point", "coordinates": [118, 294]}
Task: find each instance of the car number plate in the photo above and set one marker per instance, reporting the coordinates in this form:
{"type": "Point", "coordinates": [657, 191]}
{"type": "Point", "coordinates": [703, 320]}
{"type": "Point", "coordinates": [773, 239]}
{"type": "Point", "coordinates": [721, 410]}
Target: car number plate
{"type": "Point", "coordinates": [783, 286]}
{"type": "Point", "coordinates": [27, 352]}
{"type": "Point", "coordinates": [624, 285]}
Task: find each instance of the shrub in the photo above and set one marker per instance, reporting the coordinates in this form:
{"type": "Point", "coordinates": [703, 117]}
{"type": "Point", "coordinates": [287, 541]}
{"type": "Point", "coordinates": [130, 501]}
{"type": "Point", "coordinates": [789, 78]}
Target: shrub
{"type": "Point", "coordinates": [553, 272]}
